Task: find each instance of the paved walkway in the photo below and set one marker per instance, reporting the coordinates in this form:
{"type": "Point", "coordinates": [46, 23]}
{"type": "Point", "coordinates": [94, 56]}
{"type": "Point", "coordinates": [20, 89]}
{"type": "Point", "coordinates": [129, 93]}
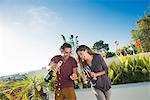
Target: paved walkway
{"type": "Point", "coordinates": [132, 91]}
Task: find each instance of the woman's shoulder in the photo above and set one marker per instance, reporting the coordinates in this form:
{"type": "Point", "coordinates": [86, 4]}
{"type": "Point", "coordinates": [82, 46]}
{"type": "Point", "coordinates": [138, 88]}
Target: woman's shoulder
{"type": "Point", "coordinates": [97, 56]}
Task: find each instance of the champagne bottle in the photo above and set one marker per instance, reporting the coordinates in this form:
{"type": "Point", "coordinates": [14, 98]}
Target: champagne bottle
{"type": "Point", "coordinates": [50, 73]}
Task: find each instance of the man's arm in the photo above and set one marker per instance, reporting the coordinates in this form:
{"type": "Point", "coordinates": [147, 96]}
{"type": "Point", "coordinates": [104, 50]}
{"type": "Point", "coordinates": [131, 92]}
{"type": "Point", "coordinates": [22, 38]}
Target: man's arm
{"type": "Point", "coordinates": [75, 70]}
{"type": "Point", "coordinates": [74, 76]}
{"type": "Point", "coordinates": [53, 66]}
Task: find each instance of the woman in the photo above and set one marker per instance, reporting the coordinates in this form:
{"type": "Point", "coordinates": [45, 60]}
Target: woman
{"type": "Point", "coordinates": [97, 74]}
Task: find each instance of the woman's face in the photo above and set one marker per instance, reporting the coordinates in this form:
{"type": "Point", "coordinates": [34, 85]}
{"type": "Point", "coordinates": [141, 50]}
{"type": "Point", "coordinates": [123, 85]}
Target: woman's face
{"type": "Point", "coordinates": [82, 55]}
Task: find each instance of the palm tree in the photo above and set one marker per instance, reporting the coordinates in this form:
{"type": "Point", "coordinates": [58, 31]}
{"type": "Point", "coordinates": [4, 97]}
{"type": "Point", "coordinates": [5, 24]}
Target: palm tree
{"type": "Point", "coordinates": [63, 37]}
{"type": "Point", "coordinates": [73, 41]}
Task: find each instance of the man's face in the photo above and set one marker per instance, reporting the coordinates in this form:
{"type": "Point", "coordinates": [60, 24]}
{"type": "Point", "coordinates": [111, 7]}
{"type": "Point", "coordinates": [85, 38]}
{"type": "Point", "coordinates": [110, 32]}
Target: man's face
{"type": "Point", "coordinates": [66, 53]}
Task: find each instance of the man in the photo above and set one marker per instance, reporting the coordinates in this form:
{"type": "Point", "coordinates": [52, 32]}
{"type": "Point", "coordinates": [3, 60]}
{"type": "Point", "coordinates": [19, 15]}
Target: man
{"type": "Point", "coordinates": [66, 74]}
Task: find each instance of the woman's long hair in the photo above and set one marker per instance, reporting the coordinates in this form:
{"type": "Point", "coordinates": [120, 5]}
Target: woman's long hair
{"type": "Point", "coordinates": [83, 48]}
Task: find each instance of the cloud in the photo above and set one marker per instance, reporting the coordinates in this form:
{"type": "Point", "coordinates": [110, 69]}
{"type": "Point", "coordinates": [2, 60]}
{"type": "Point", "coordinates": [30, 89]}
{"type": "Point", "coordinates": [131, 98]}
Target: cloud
{"type": "Point", "coordinates": [42, 15]}
{"type": "Point", "coordinates": [30, 18]}
{"type": "Point", "coordinates": [26, 34]}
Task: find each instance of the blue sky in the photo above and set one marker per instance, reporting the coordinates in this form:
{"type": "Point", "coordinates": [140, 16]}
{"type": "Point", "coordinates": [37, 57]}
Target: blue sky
{"type": "Point", "coordinates": [30, 29]}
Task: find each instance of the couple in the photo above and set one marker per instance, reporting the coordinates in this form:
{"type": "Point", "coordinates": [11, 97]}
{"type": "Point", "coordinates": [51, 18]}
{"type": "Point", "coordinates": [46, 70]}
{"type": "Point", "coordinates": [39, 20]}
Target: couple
{"type": "Point", "coordinates": [67, 72]}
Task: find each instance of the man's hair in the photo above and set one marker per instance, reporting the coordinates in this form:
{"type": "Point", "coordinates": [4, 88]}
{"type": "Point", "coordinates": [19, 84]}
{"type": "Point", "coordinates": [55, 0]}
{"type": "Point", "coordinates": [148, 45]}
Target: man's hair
{"type": "Point", "coordinates": [65, 45]}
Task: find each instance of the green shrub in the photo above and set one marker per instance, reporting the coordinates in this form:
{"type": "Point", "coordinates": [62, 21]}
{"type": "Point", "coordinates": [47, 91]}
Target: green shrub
{"type": "Point", "coordinates": [130, 70]}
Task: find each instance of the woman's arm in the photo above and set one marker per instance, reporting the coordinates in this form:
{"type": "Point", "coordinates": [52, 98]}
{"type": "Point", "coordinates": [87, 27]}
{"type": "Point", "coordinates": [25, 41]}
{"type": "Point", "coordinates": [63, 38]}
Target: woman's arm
{"type": "Point", "coordinates": [93, 74]}
{"type": "Point", "coordinates": [105, 68]}
{"type": "Point", "coordinates": [104, 65]}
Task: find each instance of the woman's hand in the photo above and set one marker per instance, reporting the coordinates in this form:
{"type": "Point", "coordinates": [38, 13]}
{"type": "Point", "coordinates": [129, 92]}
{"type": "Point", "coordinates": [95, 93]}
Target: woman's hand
{"type": "Point", "coordinates": [93, 74]}
{"type": "Point", "coordinates": [84, 77]}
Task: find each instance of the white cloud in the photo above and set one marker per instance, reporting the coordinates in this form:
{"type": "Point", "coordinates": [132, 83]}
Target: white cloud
{"type": "Point", "coordinates": [27, 38]}
{"type": "Point", "coordinates": [30, 17]}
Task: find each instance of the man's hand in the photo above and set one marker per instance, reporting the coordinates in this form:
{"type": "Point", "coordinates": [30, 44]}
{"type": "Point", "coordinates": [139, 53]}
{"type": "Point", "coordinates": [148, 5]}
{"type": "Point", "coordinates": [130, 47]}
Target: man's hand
{"type": "Point", "coordinates": [74, 76]}
{"type": "Point", "coordinates": [54, 67]}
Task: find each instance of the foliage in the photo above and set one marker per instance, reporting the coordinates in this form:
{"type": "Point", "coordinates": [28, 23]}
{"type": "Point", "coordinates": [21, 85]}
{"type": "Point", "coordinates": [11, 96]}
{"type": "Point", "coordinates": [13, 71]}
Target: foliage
{"type": "Point", "coordinates": [32, 88]}
{"type": "Point", "coordinates": [129, 49]}
{"type": "Point", "coordinates": [130, 70]}
{"type": "Point", "coordinates": [110, 54]}
{"type": "Point", "coordinates": [142, 33]}
{"type": "Point", "coordinates": [100, 46]}
{"type": "Point", "coordinates": [103, 48]}
{"type": "Point", "coordinates": [144, 28]}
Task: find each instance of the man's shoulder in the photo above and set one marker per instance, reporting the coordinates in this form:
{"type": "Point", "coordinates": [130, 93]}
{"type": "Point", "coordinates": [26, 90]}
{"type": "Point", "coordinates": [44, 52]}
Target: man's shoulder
{"type": "Point", "coordinates": [56, 57]}
{"type": "Point", "coordinates": [72, 58]}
